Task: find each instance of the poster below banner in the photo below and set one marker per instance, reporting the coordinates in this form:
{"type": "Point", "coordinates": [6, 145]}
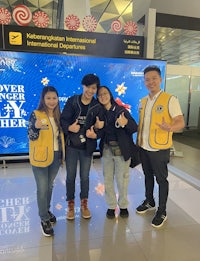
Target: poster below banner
{"type": "Point", "coordinates": [24, 74]}
{"type": "Point", "coordinates": [72, 42]}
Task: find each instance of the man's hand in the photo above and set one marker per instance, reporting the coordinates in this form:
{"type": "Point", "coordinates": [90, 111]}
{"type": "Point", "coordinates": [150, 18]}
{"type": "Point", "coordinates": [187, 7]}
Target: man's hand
{"type": "Point", "coordinates": [177, 124]}
{"type": "Point", "coordinates": [90, 133]}
{"type": "Point", "coordinates": [164, 125]}
{"type": "Point", "coordinates": [75, 127]}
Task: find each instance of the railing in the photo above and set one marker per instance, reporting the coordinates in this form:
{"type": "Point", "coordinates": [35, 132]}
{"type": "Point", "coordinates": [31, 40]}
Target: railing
{"type": "Point", "coordinates": [24, 157]}
{"type": "Point", "coordinates": [12, 157]}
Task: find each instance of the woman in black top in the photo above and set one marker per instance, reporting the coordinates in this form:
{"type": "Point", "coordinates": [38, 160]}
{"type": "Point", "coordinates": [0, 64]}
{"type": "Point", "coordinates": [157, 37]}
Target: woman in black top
{"type": "Point", "coordinates": [116, 148]}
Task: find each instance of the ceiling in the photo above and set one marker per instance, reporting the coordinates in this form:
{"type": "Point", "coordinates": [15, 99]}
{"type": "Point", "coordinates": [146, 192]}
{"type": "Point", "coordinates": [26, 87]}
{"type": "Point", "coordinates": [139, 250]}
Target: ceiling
{"type": "Point", "coordinates": [177, 46]}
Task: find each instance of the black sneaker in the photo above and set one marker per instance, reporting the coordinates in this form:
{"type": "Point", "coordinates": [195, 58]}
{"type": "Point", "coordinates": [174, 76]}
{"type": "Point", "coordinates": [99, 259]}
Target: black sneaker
{"type": "Point", "coordinates": [47, 229]}
{"type": "Point", "coordinates": [145, 206]}
{"type": "Point", "coordinates": [52, 218]}
{"type": "Point", "coordinates": [110, 213]}
{"type": "Point", "coordinates": [159, 219]}
{"type": "Point", "coordinates": [124, 212]}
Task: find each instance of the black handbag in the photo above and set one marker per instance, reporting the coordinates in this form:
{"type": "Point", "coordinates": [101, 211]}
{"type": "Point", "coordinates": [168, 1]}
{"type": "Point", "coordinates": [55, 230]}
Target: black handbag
{"type": "Point", "coordinates": [79, 138]}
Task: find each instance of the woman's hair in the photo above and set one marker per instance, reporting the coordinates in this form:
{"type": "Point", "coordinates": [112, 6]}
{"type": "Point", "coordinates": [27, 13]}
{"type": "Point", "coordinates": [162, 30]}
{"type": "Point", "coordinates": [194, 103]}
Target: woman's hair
{"type": "Point", "coordinates": [42, 106]}
{"type": "Point", "coordinates": [112, 100]}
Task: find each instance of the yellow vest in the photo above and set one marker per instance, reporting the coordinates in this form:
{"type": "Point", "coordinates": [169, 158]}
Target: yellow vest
{"type": "Point", "coordinates": [158, 138]}
{"type": "Point", "coordinates": [41, 151]}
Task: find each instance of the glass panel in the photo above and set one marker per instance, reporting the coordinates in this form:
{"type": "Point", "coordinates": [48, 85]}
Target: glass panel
{"type": "Point", "coordinates": [195, 102]}
{"type": "Point", "coordinates": [178, 85]}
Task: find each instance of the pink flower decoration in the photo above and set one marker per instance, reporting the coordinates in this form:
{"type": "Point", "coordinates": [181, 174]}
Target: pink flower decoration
{"type": "Point", "coordinates": [130, 28]}
{"type": "Point", "coordinates": [89, 23]}
{"type": "Point", "coordinates": [40, 19]}
{"type": "Point", "coordinates": [5, 16]}
{"type": "Point", "coordinates": [72, 22]}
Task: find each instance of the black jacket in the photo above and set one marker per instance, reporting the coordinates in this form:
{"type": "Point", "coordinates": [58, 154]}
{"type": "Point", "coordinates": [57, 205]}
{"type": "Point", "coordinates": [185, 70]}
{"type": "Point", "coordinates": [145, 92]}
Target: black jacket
{"type": "Point", "coordinates": [124, 135]}
{"type": "Point", "coordinates": [71, 112]}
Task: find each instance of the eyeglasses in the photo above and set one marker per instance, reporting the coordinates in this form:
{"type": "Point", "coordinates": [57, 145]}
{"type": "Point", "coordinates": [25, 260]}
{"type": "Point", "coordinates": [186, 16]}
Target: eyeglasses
{"type": "Point", "coordinates": [103, 94]}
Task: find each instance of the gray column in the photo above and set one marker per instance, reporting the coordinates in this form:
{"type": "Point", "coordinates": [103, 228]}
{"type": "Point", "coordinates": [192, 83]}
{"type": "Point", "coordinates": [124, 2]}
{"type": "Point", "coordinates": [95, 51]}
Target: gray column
{"type": "Point", "coordinates": [149, 33]}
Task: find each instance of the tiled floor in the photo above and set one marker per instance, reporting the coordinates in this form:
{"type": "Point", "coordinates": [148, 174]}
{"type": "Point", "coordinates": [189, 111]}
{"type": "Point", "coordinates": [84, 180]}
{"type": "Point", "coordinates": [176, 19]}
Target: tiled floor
{"type": "Point", "coordinates": [100, 239]}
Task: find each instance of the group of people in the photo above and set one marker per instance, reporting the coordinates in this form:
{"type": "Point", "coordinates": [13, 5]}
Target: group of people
{"type": "Point", "coordinates": [72, 136]}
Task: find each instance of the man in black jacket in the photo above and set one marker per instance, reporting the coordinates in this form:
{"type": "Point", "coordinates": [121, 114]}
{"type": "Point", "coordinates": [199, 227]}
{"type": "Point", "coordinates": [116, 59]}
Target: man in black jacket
{"type": "Point", "coordinates": [80, 121]}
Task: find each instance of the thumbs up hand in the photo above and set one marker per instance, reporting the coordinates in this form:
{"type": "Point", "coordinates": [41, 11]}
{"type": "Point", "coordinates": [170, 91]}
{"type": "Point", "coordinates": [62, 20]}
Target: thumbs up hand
{"type": "Point", "coordinates": [122, 120]}
{"type": "Point", "coordinates": [38, 123]}
{"type": "Point", "coordinates": [74, 127]}
{"type": "Point", "coordinates": [90, 133]}
{"type": "Point", "coordinates": [98, 124]}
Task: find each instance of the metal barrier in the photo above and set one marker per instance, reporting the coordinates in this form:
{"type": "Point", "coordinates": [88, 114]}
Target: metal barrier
{"type": "Point", "coordinates": [13, 157]}
{"type": "Point", "coordinates": [24, 157]}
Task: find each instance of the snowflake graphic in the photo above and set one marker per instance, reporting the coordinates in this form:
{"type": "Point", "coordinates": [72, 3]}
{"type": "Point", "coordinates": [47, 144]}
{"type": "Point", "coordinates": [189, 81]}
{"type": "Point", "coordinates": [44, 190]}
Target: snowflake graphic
{"type": "Point", "coordinates": [45, 81]}
{"type": "Point", "coordinates": [121, 89]}
{"type": "Point", "coordinates": [8, 108]}
{"type": "Point", "coordinates": [23, 112]}
{"type": "Point", "coordinates": [100, 189]}
{"type": "Point", "coordinates": [59, 206]}
{"type": "Point", "coordinates": [6, 141]}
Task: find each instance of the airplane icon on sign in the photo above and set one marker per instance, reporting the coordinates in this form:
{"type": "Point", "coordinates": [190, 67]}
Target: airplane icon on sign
{"type": "Point", "coordinates": [14, 36]}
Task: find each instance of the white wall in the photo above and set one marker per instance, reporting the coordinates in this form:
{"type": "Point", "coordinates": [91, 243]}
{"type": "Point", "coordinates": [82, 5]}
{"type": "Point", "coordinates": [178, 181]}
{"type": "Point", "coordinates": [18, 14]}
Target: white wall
{"type": "Point", "coordinates": [183, 70]}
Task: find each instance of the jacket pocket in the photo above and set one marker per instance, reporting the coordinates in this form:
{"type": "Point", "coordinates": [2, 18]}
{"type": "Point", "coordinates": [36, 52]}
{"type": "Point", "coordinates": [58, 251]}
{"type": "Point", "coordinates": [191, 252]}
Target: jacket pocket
{"type": "Point", "coordinates": [161, 137]}
{"type": "Point", "coordinates": [40, 154]}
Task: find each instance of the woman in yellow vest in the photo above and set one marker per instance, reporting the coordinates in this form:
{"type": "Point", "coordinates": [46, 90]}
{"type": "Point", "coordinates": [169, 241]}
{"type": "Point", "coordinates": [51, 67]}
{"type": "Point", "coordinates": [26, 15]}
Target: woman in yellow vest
{"type": "Point", "coordinates": [160, 116]}
{"type": "Point", "coordinates": [46, 152]}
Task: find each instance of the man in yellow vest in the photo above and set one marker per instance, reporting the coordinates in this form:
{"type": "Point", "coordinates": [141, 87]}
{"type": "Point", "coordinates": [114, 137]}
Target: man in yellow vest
{"type": "Point", "coordinates": [160, 116]}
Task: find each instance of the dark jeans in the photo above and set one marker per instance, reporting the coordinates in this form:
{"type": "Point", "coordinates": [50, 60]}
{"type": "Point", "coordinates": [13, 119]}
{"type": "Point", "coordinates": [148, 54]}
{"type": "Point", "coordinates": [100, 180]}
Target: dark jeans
{"type": "Point", "coordinates": [44, 177]}
{"type": "Point", "coordinates": [154, 163]}
{"type": "Point", "coordinates": [73, 156]}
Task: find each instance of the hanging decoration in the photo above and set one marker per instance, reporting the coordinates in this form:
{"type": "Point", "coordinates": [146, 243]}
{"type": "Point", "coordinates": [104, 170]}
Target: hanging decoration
{"type": "Point", "coordinates": [130, 28]}
{"type": "Point", "coordinates": [5, 16]}
{"type": "Point", "coordinates": [72, 22]}
{"type": "Point", "coordinates": [22, 15]}
{"type": "Point", "coordinates": [40, 19]}
{"type": "Point", "coordinates": [116, 26]}
{"type": "Point", "coordinates": [89, 23]}
{"type": "Point", "coordinates": [126, 106]}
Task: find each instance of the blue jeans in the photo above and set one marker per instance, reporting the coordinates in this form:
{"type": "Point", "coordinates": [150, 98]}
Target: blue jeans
{"type": "Point", "coordinates": [115, 167]}
{"type": "Point", "coordinates": [74, 155]}
{"type": "Point", "coordinates": [44, 177]}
